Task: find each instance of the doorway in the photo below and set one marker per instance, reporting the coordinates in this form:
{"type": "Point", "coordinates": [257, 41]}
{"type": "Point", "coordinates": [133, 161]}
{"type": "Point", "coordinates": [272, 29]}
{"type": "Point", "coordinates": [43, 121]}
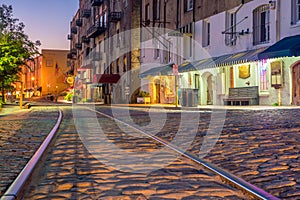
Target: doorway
{"type": "Point", "coordinates": [296, 84]}
{"type": "Point", "coordinates": [209, 90]}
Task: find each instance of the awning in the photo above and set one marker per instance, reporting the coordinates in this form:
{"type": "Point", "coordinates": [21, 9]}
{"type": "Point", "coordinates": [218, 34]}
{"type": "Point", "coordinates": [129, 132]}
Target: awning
{"type": "Point", "coordinates": [286, 47]}
{"type": "Point", "coordinates": [106, 78]}
{"type": "Point", "coordinates": [165, 70]}
{"type": "Point", "coordinates": [242, 57]}
{"type": "Point", "coordinates": [224, 60]}
{"type": "Point", "coordinates": [203, 63]}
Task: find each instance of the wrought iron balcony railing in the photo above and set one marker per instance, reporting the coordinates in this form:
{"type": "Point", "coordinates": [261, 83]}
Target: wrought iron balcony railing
{"type": "Point", "coordinates": [78, 22]}
{"type": "Point", "coordinates": [86, 13]}
{"type": "Point", "coordinates": [74, 30]}
{"type": "Point", "coordinates": [96, 2]}
{"type": "Point", "coordinates": [115, 16]}
{"type": "Point", "coordinates": [84, 39]}
{"type": "Point", "coordinates": [78, 45]}
{"type": "Point", "coordinates": [96, 29]}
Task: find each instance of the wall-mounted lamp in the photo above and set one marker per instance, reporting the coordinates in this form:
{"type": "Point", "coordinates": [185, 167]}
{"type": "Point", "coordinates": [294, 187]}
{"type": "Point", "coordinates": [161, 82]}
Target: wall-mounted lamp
{"type": "Point", "coordinates": [272, 5]}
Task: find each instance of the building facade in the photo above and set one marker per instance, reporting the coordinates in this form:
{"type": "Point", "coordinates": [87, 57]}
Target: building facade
{"type": "Point", "coordinates": [103, 52]}
{"type": "Point", "coordinates": [54, 71]}
{"type": "Point", "coordinates": [237, 44]}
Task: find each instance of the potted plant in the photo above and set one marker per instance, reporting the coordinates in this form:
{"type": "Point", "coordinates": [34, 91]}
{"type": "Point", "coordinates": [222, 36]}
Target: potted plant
{"type": "Point", "coordinates": [143, 97]}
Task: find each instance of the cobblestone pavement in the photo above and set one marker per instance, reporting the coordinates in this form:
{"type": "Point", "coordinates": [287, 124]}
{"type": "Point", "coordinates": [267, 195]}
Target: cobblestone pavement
{"type": "Point", "coordinates": [21, 133]}
{"type": "Point", "coordinates": [260, 146]}
{"type": "Point", "coordinates": [70, 171]}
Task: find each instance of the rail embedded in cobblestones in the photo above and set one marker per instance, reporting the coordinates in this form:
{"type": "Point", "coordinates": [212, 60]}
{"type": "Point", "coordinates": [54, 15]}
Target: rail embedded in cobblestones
{"type": "Point", "coordinates": [237, 182]}
{"type": "Point", "coordinates": [15, 188]}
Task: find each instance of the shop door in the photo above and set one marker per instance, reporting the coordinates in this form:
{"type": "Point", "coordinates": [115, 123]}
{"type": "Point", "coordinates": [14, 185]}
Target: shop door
{"type": "Point", "coordinates": [296, 85]}
{"type": "Point", "coordinates": [209, 90]}
{"type": "Point", "coordinates": [157, 92]}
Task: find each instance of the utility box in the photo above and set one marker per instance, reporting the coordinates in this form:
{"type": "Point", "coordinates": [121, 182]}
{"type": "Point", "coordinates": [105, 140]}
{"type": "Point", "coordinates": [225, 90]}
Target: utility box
{"type": "Point", "coordinates": [189, 97]}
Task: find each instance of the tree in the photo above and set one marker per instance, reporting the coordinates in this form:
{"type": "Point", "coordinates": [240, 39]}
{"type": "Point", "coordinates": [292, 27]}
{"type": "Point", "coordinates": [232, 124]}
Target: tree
{"type": "Point", "coordinates": [15, 48]}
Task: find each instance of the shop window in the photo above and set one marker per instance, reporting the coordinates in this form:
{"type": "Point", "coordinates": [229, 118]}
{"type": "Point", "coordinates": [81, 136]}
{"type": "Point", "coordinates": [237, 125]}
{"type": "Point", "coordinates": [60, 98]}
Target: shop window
{"type": "Point", "coordinates": [261, 25]}
{"type": "Point", "coordinates": [263, 76]}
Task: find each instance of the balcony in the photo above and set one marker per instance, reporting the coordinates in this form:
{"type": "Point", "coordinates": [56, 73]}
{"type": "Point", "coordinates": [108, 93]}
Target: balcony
{"type": "Point", "coordinates": [96, 29]}
{"type": "Point", "coordinates": [96, 56]}
{"type": "Point", "coordinates": [96, 2]}
{"type": "Point", "coordinates": [74, 51]}
{"type": "Point", "coordinates": [78, 22]}
{"type": "Point", "coordinates": [78, 45]}
{"type": "Point", "coordinates": [84, 39]}
{"type": "Point", "coordinates": [74, 30]}
{"type": "Point", "coordinates": [115, 16]}
{"type": "Point", "coordinates": [70, 37]}
{"type": "Point", "coordinates": [86, 13]}
{"type": "Point", "coordinates": [70, 56]}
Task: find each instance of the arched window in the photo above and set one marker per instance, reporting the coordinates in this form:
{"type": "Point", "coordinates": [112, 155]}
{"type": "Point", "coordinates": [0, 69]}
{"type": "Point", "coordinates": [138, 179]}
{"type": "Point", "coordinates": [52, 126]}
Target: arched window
{"type": "Point", "coordinates": [261, 25]}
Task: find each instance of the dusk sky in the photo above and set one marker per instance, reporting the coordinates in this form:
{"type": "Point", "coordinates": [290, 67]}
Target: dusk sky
{"type": "Point", "coordinates": [45, 20]}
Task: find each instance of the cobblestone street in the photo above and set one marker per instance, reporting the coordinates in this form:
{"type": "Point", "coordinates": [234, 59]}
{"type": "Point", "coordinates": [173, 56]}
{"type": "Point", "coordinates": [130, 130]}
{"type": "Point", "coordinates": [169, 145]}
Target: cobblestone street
{"type": "Point", "coordinates": [260, 146]}
{"type": "Point", "coordinates": [21, 134]}
{"type": "Point", "coordinates": [71, 172]}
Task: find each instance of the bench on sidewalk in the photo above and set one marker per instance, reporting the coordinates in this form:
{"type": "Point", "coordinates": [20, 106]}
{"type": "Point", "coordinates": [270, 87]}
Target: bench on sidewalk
{"type": "Point", "coordinates": [242, 96]}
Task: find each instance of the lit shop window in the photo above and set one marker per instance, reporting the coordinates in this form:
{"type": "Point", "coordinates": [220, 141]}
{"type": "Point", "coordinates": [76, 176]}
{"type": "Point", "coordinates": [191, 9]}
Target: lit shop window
{"type": "Point", "coordinates": [263, 75]}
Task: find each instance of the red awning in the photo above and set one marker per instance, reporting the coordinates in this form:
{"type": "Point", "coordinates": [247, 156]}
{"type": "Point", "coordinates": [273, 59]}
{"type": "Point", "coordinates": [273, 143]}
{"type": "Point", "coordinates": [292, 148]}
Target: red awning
{"type": "Point", "coordinates": [106, 78]}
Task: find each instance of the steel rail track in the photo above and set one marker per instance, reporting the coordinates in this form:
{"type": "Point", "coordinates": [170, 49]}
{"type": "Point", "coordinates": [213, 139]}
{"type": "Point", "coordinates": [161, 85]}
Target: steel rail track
{"type": "Point", "coordinates": [235, 181]}
{"type": "Point", "coordinates": [13, 192]}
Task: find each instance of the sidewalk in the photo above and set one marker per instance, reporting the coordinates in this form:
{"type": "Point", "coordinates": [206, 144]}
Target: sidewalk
{"type": "Point", "coordinates": [209, 107]}
{"type": "Point", "coordinates": [9, 109]}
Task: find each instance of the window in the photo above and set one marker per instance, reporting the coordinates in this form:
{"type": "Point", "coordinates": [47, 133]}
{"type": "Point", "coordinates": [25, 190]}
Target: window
{"type": "Point", "coordinates": [295, 17]}
{"type": "Point", "coordinates": [156, 50]}
{"type": "Point", "coordinates": [125, 3]}
{"type": "Point", "coordinates": [49, 63]}
{"type": "Point", "coordinates": [230, 36]}
{"type": "Point", "coordinates": [191, 47]}
{"type": "Point", "coordinates": [156, 6]}
{"type": "Point", "coordinates": [263, 75]}
{"type": "Point", "coordinates": [147, 12]}
{"type": "Point", "coordinates": [118, 65]}
{"type": "Point", "coordinates": [118, 38]}
{"type": "Point", "coordinates": [188, 4]}
{"type": "Point", "coordinates": [206, 33]}
{"type": "Point", "coordinates": [261, 25]}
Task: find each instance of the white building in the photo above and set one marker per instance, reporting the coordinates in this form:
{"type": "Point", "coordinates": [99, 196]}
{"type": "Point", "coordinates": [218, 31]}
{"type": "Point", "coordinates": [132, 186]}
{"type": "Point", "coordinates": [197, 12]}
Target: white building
{"type": "Point", "coordinates": [234, 45]}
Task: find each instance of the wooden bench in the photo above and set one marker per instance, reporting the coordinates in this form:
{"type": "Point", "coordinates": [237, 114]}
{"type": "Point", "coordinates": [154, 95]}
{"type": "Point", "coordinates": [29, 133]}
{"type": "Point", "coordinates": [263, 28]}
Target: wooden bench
{"type": "Point", "coordinates": [242, 96]}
